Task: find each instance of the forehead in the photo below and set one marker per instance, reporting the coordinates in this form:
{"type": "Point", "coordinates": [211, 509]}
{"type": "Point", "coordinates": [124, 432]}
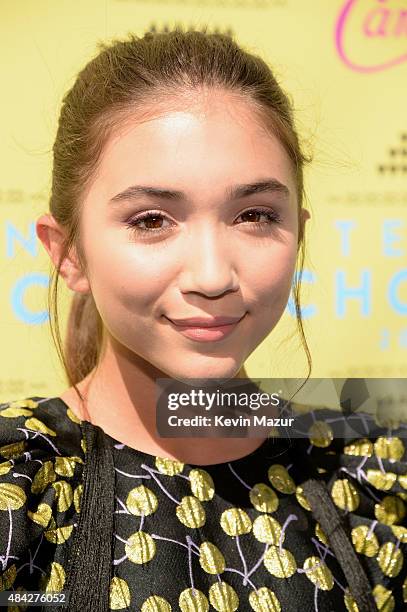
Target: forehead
{"type": "Point", "coordinates": [199, 143]}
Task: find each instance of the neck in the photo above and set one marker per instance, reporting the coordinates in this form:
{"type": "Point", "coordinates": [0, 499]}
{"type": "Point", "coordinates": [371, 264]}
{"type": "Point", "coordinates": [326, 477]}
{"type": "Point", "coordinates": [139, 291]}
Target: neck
{"type": "Point", "coordinates": [120, 397]}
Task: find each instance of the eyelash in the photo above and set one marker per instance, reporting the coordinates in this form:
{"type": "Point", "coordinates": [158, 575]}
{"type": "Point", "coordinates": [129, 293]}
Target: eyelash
{"type": "Point", "coordinates": [272, 216]}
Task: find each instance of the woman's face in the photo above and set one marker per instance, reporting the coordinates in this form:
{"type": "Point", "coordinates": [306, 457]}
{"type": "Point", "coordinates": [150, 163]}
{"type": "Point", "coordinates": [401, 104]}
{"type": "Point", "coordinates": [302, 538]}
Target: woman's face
{"type": "Point", "coordinates": [202, 252]}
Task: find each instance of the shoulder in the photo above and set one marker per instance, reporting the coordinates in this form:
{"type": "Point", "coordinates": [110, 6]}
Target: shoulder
{"type": "Point", "coordinates": [36, 428]}
{"type": "Point", "coordinates": [363, 462]}
{"type": "Point", "coordinates": [42, 455]}
{"type": "Point", "coordinates": [360, 450]}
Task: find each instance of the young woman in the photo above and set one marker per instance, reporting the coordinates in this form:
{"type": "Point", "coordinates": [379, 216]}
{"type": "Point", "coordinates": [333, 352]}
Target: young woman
{"type": "Point", "coordinates": [177, 220]}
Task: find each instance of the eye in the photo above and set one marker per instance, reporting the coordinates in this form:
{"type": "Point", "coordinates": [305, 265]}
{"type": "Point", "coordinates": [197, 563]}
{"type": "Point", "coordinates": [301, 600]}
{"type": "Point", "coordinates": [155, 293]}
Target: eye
{"type": "Point", "coordinates": [149, 219]}
{"type": "Point", "coordinates": [254, 213]}
{"type": "Point", "coordinates": [153, 221]}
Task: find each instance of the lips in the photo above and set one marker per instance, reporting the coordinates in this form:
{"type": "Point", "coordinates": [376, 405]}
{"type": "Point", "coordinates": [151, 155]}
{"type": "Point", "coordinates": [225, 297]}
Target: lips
{"type": "Point", "coordinates": [205, 321]}
{"type": "Point", "coordinates": [202, 329]}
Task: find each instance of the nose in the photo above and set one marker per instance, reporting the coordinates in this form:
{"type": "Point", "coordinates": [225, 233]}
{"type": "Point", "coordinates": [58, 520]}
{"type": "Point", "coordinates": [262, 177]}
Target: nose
{"type": "Point", "coordinates": [209, 264]}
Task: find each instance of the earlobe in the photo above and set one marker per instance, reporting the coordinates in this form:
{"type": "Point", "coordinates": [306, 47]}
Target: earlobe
{"type": "Point", "coordinates": [73, 274]}
{"type": "Point", "coordinates": [74, 278]}
{"type": "Point", "coordinates": [52, 236]}
{"type": "Point", "coordinates": [305, 215]}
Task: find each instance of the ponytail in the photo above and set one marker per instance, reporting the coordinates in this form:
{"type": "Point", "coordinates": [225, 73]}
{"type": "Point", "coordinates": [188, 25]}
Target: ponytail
{"type": "Point", "coordinates": [83, 340]}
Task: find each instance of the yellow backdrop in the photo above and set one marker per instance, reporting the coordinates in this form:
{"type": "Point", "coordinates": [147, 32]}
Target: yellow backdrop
{"type": "Point", "coordinates": [344, 63]}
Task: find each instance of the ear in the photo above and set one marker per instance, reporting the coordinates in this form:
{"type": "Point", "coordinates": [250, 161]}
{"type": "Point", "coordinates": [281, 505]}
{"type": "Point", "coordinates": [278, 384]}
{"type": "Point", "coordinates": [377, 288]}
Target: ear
{"type": "Point", "coordinates": [52, 235]}
{"type": "Point", "coordinates": [305, 215]}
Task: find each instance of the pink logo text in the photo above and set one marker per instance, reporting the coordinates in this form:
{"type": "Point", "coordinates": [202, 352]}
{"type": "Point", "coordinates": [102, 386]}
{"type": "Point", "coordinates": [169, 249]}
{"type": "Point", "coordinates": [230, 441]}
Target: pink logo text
{"type": "Point", "coordinates": [379, 22]}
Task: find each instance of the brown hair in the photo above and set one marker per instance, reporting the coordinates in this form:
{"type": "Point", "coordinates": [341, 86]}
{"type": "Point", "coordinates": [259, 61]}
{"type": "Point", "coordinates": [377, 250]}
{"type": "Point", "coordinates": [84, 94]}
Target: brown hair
{"type": "Point", "coordinates": [123, 78]}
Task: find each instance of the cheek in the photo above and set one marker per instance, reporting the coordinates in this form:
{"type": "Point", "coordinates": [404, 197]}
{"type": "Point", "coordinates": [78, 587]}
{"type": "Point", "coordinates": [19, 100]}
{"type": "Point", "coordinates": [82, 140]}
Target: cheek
{"type": "Point", "coordinates": [269, 293]}
{"type": "Point", "coordinates": [129, 280]}
{"type": "Point", "coordinates": [269, 279]}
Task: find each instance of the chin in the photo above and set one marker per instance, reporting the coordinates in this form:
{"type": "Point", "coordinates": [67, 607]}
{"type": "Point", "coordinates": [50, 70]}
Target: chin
{"type": "Point", "coordinates": [206, 374]}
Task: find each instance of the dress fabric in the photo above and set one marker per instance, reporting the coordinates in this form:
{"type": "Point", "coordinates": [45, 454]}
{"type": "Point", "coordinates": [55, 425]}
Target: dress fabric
{"type": "Point", "coordinates": [240, 535]}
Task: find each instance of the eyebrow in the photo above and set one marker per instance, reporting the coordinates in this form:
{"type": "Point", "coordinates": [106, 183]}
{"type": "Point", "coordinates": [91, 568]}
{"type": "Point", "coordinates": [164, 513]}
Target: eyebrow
{"type": "Point", "coordinates": [235, 192]}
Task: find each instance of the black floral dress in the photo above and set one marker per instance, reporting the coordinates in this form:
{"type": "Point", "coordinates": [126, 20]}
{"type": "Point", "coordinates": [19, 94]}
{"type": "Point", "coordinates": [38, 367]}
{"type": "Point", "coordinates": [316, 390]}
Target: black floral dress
{"type": "Point", "coordinates": [241, 535]}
